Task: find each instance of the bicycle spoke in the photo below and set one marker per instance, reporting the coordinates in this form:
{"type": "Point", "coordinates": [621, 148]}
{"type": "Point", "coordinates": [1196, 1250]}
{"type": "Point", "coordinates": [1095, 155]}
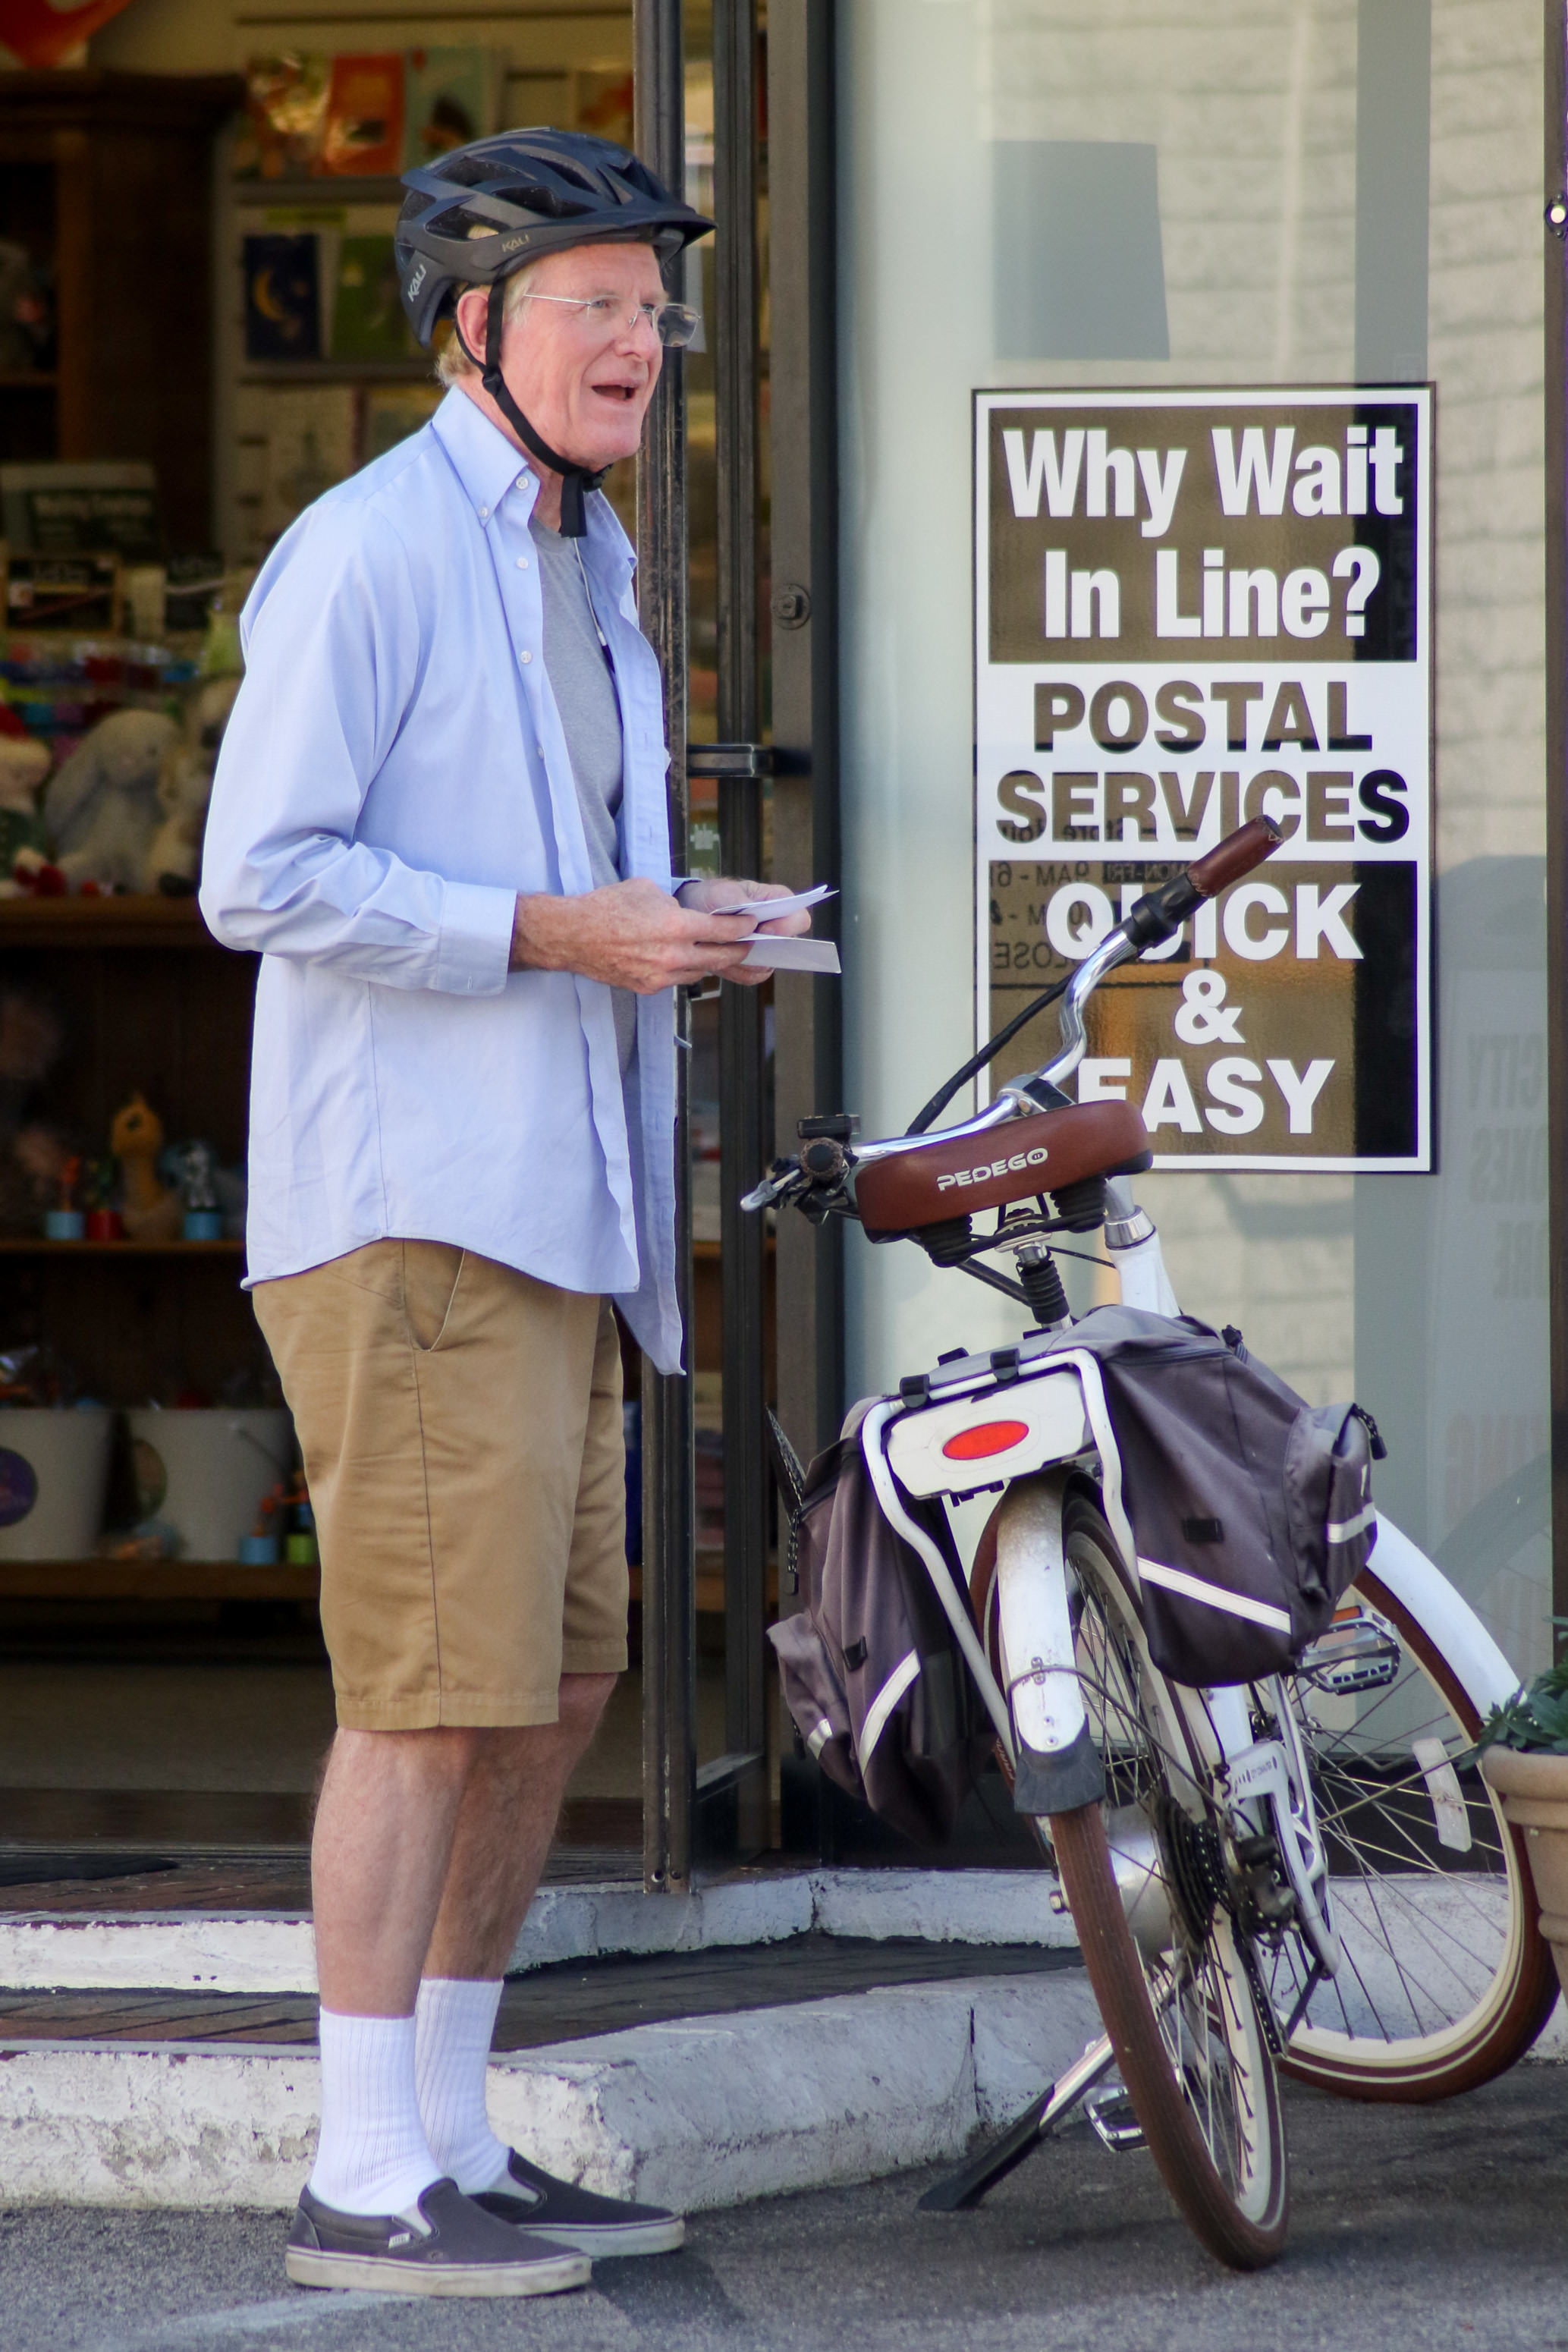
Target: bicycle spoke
{"type": "Point", "coordinates": [1426, 1926]}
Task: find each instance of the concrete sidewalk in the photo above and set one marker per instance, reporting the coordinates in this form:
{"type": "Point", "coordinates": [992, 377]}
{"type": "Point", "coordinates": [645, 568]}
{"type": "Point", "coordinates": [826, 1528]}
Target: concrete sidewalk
{"type": "Point", "coordinates": [1413, 2230]}
{"type": "Point", "coordinates": [700, 2110]}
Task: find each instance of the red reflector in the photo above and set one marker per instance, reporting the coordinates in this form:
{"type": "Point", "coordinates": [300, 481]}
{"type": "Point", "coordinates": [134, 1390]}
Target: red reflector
{"type": "Point", "coordinates": [986, 1437]}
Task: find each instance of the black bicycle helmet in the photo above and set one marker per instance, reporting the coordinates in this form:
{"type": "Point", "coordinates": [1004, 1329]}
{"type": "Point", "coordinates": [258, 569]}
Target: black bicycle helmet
{"type": "Point", "coordinates": [477, 215]}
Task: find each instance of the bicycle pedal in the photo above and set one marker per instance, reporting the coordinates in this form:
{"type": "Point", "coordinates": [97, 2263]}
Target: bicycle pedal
{"type": "Point", "coordinates": [1111, 2116]}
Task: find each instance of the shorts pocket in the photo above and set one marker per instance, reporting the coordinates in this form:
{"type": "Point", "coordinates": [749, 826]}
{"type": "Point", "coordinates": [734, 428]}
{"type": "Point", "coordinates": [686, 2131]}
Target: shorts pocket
{"type": "Point", "coordinates": [431, 1276]}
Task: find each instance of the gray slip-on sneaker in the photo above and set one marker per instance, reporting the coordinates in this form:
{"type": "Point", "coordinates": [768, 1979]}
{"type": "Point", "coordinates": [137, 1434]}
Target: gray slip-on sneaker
{"type": "Point", "coordinates": [537, 2204]}
{"type": "Point", "coordinates": [445, 2245]}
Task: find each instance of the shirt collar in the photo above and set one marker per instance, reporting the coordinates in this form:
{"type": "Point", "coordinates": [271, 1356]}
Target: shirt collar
{"type": "Point", "coordinates": [488, 465]}
{"type": "Point", "coordinates": [484, 461]}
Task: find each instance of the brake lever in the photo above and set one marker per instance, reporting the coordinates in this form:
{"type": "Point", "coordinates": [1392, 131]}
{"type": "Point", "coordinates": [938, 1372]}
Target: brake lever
{"type": "Point", "coordinates": [778, 1181]}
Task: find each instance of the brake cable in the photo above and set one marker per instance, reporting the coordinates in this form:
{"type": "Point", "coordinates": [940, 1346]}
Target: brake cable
{"type": "Point", "coordinates": [988, 1053]}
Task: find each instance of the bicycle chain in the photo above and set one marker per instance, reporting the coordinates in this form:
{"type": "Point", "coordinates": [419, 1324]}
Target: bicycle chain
{"type": "Point", "coordinates": [1248, 1953]}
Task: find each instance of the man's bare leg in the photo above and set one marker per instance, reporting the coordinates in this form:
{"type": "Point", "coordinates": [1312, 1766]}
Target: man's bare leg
{"type": "Point", "coordinates": [388, 1805]}
{"type": "Point", "coordinates": [429, 1844]}
{"type": "Point", "coordinates": [503, 1834]}
{"type": "Point", "coordinates": [510, 1806]}
{"type": "Point", "coordinates": [385, 1825]}
{"type": "Point", "coordinates": [428, 1849]}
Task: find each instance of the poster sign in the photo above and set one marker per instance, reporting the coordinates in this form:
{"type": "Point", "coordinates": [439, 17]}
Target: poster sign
{"type": "Point", "coordinates": [1192, 608]}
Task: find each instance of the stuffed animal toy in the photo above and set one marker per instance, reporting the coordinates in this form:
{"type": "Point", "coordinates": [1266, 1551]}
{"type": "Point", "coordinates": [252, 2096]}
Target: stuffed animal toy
{"type": "Point", "coordinates": [101, 807]}
{"type": "Point", "coordinates": [151, 1212]}
{"type": "Point", "coordinates": [184, 786]}
{"type": "Point", "coordinates": [23, 764]}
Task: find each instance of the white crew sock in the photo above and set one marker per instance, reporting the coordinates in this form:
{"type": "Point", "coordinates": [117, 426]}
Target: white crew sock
{"type": "Point", "coordinates": [453, 2023]}
{"type": "Point", "coordinates": [372, 2156]}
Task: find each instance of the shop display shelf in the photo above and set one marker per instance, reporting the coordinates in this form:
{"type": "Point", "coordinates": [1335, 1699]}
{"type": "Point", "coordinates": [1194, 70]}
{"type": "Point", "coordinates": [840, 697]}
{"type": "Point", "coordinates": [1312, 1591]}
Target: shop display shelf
{"type": "Point", "coordinates": [28, 1245]}
{"type": "Point", "coordinates": [409, 371]}
{"type": "Point", "coordinates": [322, 188]}
{"type": "Point", "coordinates": [152, 921]}
{"type": "Point", "coordinates": [155, 1580]}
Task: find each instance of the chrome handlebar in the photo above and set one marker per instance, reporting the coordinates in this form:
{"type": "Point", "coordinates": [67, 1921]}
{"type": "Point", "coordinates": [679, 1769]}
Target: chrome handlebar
{"type": "Point", "coordinates": [1158, 916]}
{"type": "Point", "coordinates": [1012, 1101]}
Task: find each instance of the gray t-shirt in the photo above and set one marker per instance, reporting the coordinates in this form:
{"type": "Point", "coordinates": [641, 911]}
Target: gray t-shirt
{"type": "Point", "coordinates": [583, 685]}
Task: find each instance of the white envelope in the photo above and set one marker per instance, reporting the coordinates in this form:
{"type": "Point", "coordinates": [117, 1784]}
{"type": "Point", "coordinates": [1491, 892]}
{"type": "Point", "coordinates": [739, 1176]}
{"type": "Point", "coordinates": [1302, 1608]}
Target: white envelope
{"type": "Point", "coordinates": [793, 954]}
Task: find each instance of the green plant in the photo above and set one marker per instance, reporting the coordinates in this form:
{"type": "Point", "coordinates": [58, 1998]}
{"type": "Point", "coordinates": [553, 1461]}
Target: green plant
{"type": "Point", "coordinates": [1536, 1719]}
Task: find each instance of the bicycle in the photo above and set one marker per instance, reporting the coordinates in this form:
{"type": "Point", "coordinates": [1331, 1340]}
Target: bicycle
{"type": "Point", "coordinates": [1303, 1874]}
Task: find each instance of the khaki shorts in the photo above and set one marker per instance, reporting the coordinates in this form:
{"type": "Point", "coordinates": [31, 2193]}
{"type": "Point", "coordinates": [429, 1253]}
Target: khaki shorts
{"type": "Point", "coordinates": [462, 1434]}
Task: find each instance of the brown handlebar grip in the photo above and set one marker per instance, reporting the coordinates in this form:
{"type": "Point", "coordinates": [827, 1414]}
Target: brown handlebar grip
{"type": "Point", "coordinates": [1236, 855]}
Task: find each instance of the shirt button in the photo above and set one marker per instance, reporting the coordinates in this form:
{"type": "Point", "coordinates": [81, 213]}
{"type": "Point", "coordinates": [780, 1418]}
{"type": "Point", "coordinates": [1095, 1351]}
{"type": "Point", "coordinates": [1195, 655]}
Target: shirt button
{"type": "Point", "coordinates": [525, 658]}
{"type": "Point", "coordinates": [522, 563]}
{"type": "Point", "coordinates": [484, 514]}
{"type": "Point", "coordinates": [522, 481]}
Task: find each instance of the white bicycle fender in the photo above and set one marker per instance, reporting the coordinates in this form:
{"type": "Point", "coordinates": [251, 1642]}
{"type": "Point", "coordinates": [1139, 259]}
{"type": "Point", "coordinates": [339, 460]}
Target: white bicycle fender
{"type": "Point", "coordinates": [1057, 1765]}
{"type": "Point", "coordinates": [1037, 1628]}
{"type": "Point", "coordinates": [1421, 1587]}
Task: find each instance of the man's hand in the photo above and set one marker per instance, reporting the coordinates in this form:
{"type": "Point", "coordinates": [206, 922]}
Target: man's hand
{"type": "Point", "coordinates": [634, 935]}
{"type": "Point", "coordinates": [712, 892]}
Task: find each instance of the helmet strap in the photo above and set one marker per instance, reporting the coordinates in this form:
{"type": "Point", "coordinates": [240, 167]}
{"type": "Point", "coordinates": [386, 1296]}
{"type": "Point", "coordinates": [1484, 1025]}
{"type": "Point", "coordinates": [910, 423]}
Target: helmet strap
{"type": "Point", "coordinates": [576, 481]}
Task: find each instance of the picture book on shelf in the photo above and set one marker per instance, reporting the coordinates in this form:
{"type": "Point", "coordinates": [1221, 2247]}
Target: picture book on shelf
{"type": "Point", "coordinates": [285, 116]}
{"type": "Point", "coordinates": [363, 130]}
{"type": "Point", "coordinates": [368, 318]}
{"type": "Point", "coordinates": [77, 505]}
{"type": "Point", "coordinates": [451, 97]}
{"type": "Point", "coordinates": [282, 297]}
{"type": "Point", "coordinates": [291, 443]}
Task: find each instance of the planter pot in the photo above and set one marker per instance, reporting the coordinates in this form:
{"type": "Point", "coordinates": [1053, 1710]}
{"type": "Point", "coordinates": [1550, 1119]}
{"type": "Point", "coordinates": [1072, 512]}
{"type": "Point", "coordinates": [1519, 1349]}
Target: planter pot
{"type": "Point", "coordinates": [1534, 1792]}
{"type": "Point", "coordinates": [205, 1471]}
{"type": "Point", "coordinates": [54, 1471]}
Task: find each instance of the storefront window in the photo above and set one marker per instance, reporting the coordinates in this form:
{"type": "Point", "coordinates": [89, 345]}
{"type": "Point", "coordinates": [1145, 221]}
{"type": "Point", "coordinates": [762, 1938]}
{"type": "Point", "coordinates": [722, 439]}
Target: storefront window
{"type": "Point", "coordinates": [1041, 194]}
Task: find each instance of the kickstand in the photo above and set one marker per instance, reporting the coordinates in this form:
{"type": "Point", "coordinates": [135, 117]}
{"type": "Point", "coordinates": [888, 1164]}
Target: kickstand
{"type": "Point", "coordinates": [963, 2190]}
{"type": "Point", "coordinates": [1316, 1975]}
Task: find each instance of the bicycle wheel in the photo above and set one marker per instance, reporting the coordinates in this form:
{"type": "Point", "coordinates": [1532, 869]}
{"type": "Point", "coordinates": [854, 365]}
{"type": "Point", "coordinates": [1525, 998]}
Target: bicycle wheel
{"type": "Point", "coordinates": [1143, 1879]}
{"type": "Point", "coordinates": [1446, 1978]}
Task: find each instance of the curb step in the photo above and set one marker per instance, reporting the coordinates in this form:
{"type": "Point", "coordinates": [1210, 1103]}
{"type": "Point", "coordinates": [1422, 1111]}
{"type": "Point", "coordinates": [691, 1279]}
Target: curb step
{"type": "Point", "coordinates": [261, 1953]}
{"type": "Point", "coordinates": [699, 2113]}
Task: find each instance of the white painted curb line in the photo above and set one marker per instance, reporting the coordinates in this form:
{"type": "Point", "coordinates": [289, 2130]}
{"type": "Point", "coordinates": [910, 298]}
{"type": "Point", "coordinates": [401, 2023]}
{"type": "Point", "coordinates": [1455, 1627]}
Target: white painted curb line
{"type": "Point", "coordinates": [189, 1951]}
{"type": "Point", "coordinates": [701, 2113]}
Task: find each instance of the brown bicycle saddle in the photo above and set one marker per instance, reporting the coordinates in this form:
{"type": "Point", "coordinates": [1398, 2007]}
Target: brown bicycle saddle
{"type": "Point", "coordinates": [1044, 1154]}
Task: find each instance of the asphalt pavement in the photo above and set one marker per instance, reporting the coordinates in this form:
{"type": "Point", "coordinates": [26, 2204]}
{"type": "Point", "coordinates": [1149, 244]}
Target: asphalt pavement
{"type": "Point", "coordinates": [1419, 2228]}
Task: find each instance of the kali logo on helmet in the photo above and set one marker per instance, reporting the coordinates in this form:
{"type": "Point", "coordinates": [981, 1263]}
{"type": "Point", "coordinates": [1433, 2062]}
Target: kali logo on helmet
{"type": "Point", "coordinates": [1035, 1158]}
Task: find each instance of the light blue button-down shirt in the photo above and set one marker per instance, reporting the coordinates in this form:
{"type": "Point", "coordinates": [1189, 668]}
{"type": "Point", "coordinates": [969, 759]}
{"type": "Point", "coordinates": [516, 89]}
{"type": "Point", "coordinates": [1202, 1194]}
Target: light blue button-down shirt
{"type": "Point", "coordinates": [395, 773]}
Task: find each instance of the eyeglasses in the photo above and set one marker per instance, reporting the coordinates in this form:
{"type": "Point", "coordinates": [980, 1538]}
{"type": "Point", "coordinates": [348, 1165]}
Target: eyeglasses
{"type": "Point", "coordinates": [673, 322]}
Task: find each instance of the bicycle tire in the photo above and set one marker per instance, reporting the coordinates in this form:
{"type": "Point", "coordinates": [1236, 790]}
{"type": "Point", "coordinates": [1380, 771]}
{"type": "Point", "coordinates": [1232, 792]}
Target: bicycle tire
{"type": "Point", "coordinates": [1482, 1982]}
{"type": "Point", "coordinates": [1184, 2023]}
{"type": "Point", "coordinates": [1515, 1988]}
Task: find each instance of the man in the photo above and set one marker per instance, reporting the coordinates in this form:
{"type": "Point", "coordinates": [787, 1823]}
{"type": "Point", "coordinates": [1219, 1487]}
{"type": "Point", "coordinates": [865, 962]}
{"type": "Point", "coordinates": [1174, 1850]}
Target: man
{"type": "Point", "coordinates": [440, 814]}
